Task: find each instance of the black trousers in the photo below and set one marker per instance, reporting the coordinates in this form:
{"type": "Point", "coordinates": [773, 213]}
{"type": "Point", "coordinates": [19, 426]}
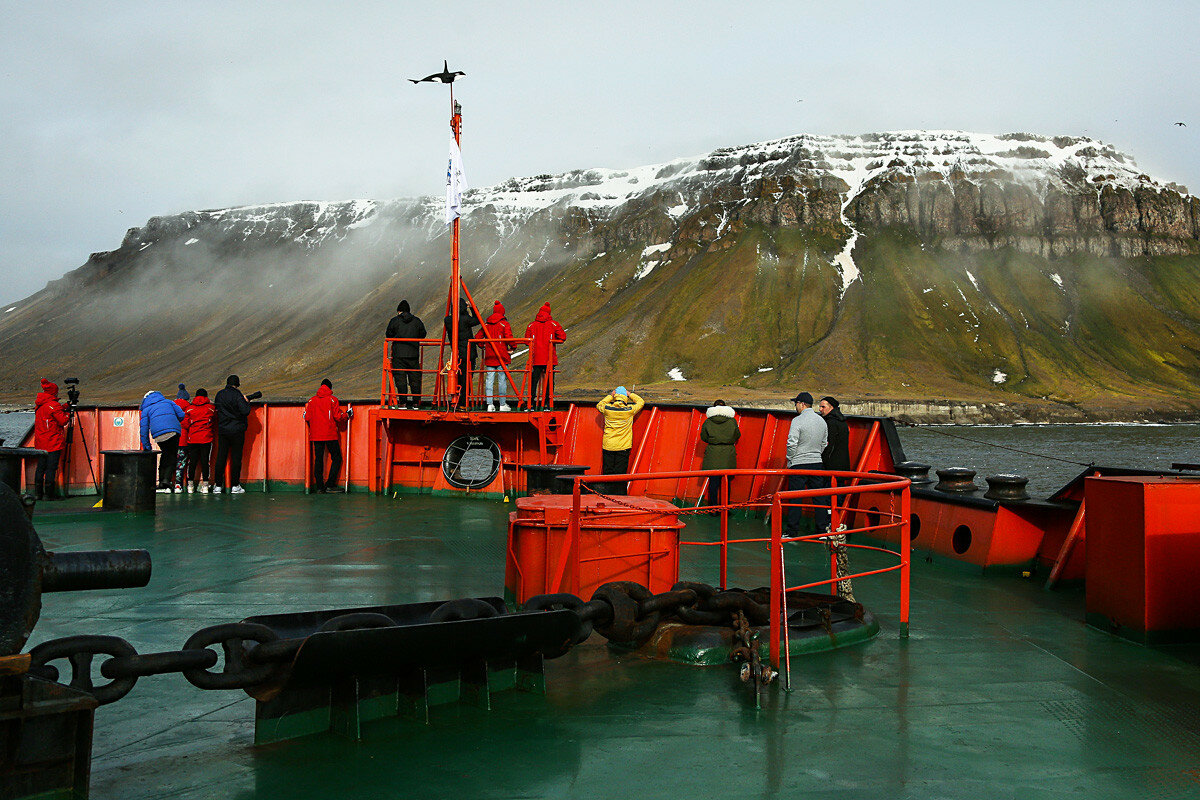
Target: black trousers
{"type": "Point", "coordinates": [616, 462]}
{"type": "Point", "coordinates": [43, 476]}
{"type": "Point", "coordinates": [167, 460]}
{"type": "Point", "coordinates": [406, 372]}
{"type": "Point", "coordinates": [197, 456]}
{"type": "Point", "coordinates": [319, 449]}
{"type": "Point", "coordinates": [795, 514]}
{"type": "Point", "coordinates": [229, 446]}
{"type": "Point", "coordinates": [714, 490]}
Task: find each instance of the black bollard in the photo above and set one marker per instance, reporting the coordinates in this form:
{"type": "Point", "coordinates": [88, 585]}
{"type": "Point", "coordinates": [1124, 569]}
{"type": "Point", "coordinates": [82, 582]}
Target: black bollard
{"type": "Point", "coordinates": [130, 480]}
{"type": "Point", "coordinates": [958, 480]}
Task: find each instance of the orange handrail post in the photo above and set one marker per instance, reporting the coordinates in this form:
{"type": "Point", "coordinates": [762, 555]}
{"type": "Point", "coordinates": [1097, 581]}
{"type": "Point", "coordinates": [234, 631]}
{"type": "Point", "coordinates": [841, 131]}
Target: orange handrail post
{"type": "Point", "coordinates": [777, 587]}
{"type": "Point", "coordinates": [724, 495]}
{"type": "Point", "coordinates": [905, 558]}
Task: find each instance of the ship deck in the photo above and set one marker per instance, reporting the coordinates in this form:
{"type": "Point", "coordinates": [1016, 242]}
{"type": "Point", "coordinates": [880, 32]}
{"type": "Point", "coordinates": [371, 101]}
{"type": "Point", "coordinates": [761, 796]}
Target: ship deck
{"type": "Point", "coordinates": [1000, 692]}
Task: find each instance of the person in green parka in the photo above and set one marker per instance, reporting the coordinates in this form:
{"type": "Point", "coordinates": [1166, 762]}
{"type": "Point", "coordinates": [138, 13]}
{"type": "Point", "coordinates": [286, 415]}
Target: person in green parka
{"type": "Point", "coordinates": [720, 432]}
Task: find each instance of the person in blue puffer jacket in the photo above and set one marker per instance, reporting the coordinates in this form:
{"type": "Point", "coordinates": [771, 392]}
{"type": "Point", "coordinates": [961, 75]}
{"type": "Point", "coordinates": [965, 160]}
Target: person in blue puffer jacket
{"type": "Point", "coordinates": [160, 422]}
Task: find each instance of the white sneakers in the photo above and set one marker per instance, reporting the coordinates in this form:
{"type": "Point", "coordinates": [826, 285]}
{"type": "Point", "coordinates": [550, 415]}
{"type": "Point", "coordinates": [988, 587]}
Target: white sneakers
{"type": "Point", "coordinates": [216, 490]}
{"type": "Point", "coordinates": [504, 407]}
{"type": "Point", "coordinates": [237, 490]}
{"type": "Point", "coordinates": [491, 407]}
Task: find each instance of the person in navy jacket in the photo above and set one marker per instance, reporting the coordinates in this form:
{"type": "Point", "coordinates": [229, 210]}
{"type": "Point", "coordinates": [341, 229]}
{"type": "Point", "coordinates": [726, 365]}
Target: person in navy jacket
{"type": "Point", "coordinates": [161, 423]}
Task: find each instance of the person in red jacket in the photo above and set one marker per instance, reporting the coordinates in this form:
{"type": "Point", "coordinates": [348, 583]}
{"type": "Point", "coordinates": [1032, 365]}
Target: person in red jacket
{"type": "Point", "coordinates": [497, 356]}
{"type": "Point", "coordinates": [198, 427]}
{"type": "Point", "coordinates": [545, 333]}
{"type": "Point", "coordinates": [323, 413]}
{"type": "Point", "coordinates": [49, 424]}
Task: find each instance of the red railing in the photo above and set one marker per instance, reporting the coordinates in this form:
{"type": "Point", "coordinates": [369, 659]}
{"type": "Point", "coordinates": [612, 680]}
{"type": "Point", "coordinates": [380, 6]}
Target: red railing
{"type": "Point", "coordinates": [434, 386]}
{"type": "Point", "coordinates": [898, 515]}
{"type": "Point", "coordinates": [844, 485]}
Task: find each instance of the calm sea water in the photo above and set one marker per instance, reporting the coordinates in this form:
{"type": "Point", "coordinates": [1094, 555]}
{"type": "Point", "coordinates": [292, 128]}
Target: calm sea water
{"type": "Point", "coordinates": [1051, 454]}
{"type": "Point", "coordinates": [13, 426]}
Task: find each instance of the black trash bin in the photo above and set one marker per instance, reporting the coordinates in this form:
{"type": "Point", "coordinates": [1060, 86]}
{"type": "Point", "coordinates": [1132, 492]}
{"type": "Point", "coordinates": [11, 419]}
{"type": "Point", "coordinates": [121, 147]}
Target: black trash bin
{"type": "Point", "coordinates": [12, 465]}
{"type": "Point", "coordinates": [541, 478]}
{"type": "Point", "coordinates": [130, 480]}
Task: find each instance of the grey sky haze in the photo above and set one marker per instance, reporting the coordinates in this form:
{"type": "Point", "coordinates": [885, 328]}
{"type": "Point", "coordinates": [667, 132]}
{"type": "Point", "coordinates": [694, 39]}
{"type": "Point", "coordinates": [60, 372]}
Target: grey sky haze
{"type": "Point", "coordinates": [114, 113]}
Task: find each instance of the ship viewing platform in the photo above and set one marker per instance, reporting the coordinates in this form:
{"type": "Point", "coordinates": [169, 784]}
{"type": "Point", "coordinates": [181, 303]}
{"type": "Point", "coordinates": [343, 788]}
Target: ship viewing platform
{"type": "Point", "coordinates": [1000, 691]}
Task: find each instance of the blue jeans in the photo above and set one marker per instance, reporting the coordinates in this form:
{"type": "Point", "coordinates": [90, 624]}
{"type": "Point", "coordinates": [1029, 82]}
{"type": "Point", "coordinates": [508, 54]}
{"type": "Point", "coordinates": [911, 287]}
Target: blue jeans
{"type": "Point", "coordinates": [490, 381]}
{"type": "Point", "coordinates": [795, 514]}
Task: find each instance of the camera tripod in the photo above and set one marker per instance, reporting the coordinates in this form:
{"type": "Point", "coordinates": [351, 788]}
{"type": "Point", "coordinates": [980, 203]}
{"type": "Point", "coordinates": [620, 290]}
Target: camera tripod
{"type": "Point", "coordinates": [72, 401]}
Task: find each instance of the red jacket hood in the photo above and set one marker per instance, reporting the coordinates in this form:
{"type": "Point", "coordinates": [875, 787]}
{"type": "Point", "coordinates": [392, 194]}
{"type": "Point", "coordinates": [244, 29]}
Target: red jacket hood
{"type": "Point", "coordinates": [324, 391]}
{"type": "Point", "coordinates": [200, 400]}
{"type": "Point", "coordinates": [497, 315]}
{"type": "Point", "coordinates": [46, 397]}
{"type": "Point", "coordinates": [543, 313]}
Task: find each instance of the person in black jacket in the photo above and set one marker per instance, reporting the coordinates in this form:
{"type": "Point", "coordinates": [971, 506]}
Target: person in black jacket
{"type": "Point", "coordinates": [836, 454]}
{"type": "Point", "coordinates": [232, 408]}
{"type": "Point", "coordinates": [466, 325]}
{"type": "Point", "coordinates": [406, 356]}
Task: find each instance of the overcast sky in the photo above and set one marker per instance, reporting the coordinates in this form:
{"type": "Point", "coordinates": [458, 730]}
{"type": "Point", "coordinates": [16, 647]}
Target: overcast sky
{"type": "Point", "coordinates": [116, 112]}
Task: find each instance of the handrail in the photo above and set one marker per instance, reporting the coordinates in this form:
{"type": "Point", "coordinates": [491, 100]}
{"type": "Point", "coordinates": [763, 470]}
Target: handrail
{"type": "Point", "coordinates": [853, 483]}
{"type": "Point", "coordinates": [518, 379]}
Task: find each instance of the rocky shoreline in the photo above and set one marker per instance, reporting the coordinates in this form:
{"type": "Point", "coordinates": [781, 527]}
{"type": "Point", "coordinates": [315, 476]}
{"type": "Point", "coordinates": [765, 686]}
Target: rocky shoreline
{"type": "Point", "coordinates": [927, 412]}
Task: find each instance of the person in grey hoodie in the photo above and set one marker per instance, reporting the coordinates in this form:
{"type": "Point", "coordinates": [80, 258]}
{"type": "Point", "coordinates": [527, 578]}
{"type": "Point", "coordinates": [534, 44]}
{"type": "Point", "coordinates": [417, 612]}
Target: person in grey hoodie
{"type": "Point", "coordinates": [807, 437]}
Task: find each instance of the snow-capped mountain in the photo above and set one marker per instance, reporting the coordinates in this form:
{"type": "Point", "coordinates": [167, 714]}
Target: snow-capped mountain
{"type": "Point", "coordinates": [893, 264]}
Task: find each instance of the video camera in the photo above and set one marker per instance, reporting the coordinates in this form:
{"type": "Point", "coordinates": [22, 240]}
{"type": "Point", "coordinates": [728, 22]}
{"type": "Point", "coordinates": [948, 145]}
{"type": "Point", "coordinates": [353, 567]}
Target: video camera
{"type": "Point", "coordinates": [72, 391]}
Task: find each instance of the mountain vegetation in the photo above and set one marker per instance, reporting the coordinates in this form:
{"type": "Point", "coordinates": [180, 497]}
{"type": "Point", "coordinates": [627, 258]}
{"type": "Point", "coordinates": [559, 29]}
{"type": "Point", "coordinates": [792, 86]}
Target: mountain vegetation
{"type": "Point", "coordinates": [1014, 270]}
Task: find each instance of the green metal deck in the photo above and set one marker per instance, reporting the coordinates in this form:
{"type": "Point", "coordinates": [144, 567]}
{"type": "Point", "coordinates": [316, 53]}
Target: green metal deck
{"type": "Point", "coordinates": [1001, 691]}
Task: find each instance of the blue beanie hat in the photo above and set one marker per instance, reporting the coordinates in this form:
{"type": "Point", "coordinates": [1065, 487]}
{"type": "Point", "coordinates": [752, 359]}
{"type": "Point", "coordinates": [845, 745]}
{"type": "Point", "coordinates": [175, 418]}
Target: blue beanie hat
{"type": "Point", "coordinates": [622, 390]}
{"type": "Point", "coordinates": [182, 394]}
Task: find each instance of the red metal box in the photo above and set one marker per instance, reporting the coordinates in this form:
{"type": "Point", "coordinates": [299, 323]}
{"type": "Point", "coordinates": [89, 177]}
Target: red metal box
{"type": "Point", "coordinates": [616, 543]}
{"type": "Point", "coordinates": [1143, 557]}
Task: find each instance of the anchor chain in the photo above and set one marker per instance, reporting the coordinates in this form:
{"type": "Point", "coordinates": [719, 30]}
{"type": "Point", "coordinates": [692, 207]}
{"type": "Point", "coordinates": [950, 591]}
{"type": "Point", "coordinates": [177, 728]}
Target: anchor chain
{"type": "Point", "coordinates": [255, 656]}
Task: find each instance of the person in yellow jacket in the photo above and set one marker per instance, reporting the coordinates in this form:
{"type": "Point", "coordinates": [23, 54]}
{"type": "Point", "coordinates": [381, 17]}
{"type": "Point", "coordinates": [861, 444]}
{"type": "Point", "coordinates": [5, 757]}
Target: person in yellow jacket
{"type": "Point", "coordinates": [619, 408]}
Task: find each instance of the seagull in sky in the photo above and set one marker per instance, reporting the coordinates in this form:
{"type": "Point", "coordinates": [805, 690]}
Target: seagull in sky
{"type": "Point", "coordinates": [445, 76]}
{"type": "Point", "coordinates": [1181, 124]}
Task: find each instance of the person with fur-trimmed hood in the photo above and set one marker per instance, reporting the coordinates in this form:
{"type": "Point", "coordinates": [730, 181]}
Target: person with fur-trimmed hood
{"type": "Point", "coordinates": [49, 424]}
{"type": "Point", "coordinates": [720, 432]}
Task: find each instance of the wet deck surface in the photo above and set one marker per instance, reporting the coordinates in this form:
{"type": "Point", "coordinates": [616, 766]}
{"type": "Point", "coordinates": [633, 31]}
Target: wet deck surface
{"type": "Point", "coordinates": [1000, 692]}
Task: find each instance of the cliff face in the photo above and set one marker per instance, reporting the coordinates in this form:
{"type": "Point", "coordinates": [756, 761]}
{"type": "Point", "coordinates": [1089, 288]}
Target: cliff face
{"type": "Point", "coordinates": [901, 265]}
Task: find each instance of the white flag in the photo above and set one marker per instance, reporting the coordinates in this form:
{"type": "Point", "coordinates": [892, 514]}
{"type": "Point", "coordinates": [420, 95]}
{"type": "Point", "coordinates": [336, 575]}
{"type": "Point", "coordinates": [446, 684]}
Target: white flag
{"type": "Point", "coordinates": [456, 183]}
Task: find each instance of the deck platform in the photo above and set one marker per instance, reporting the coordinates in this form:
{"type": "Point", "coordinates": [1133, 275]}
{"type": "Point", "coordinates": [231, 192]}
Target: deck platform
{"type": "Point", "coordinates": [1002, 691]}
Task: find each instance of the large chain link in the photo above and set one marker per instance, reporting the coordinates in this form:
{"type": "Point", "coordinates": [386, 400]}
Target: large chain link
{"type": "Point", "coordinates": [624, 612]}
